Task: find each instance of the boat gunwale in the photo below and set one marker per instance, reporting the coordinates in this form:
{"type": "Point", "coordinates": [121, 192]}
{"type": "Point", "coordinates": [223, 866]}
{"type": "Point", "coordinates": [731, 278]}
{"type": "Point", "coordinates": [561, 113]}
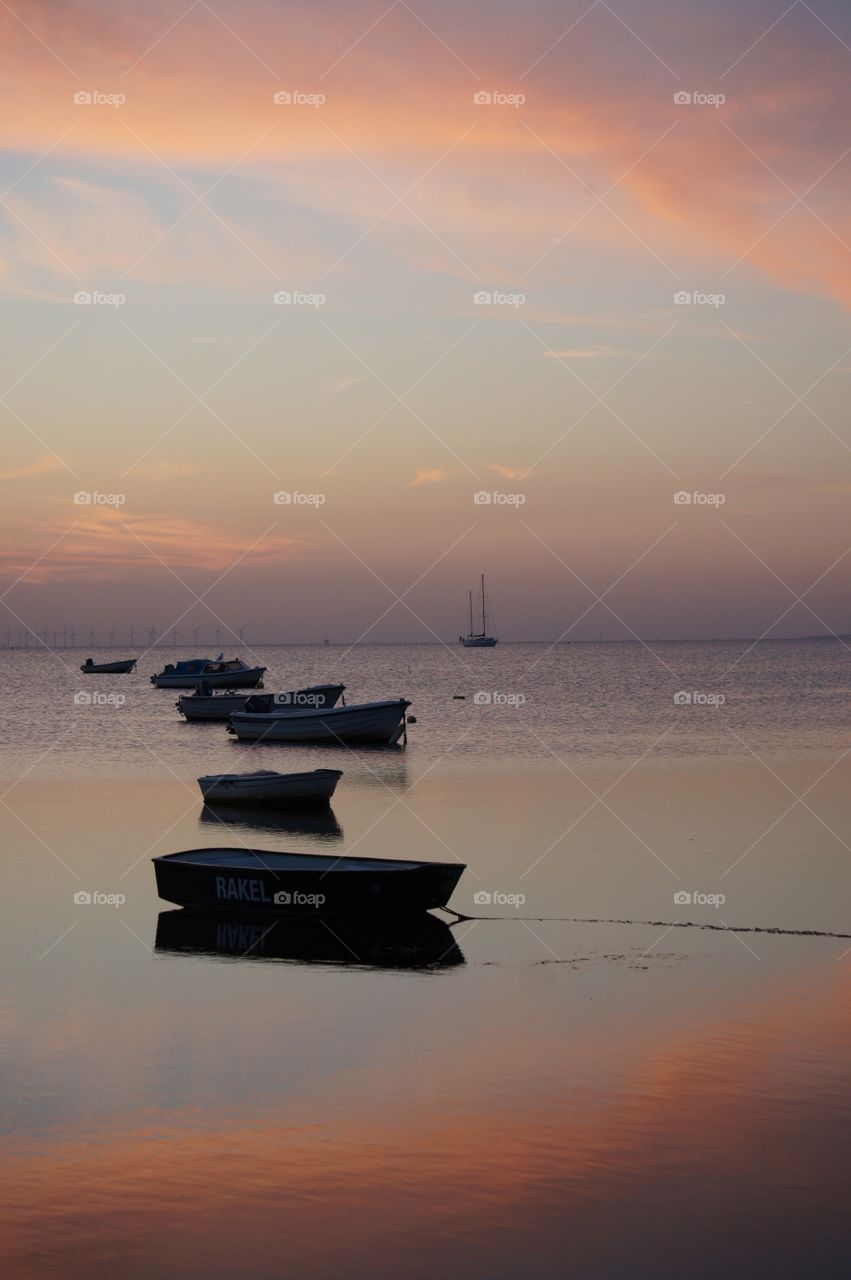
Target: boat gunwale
{"type": "Point", "coordinates": [388, 864]}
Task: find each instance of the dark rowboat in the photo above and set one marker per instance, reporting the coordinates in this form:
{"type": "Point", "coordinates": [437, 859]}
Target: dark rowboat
{"type": "Point", "coordinates": [120, 668]}
{"type": "Point", "coordinates": [267, 787]}
{"type": "Point", "coordinates": [305, 885]}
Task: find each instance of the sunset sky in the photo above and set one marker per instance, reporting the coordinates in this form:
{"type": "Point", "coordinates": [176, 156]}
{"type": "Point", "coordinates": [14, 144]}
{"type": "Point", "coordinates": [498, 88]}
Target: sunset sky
{"type": "Point", "coordinates": [581, 196]}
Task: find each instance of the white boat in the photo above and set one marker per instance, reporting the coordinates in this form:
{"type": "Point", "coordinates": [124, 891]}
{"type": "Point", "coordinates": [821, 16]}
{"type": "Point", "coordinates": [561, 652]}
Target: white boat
{"type": "Point", "coordinates": [203, 705]}
{"type": "Point", "coordinates": [478, 639]}
{"type": "Point", "coordinates": [233, 674]}
{"type": "Point", "coordinates": [267, 787]}
{"type": "Point", "coordinates": [380, 723]}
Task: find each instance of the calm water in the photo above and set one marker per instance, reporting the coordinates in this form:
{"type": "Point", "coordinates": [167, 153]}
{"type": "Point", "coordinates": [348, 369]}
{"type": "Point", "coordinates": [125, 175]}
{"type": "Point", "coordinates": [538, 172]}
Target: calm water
{"type": "Point", "coordinates": [550, 1093]}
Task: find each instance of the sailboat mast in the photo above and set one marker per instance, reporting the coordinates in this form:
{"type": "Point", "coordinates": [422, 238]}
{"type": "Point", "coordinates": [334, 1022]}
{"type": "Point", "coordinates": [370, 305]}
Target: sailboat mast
{"type": "Point", "coordinates": [471, 612]}
{"type": "Point", "coordinates": [484, 624]}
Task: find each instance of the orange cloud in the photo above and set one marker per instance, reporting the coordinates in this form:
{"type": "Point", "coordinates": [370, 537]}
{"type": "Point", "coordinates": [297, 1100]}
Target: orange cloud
{"type": "Point", "coordinates": [99, 544]}
{"type": "Point", "coordinates": [429, 475]}
{"type": "Point", "coordinates": [503, 186]}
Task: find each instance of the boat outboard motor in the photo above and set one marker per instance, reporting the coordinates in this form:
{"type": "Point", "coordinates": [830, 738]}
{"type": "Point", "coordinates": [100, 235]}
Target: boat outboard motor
{"type": "Point", "coordinates": [168, 669]}
{"type": "Point", "coordinates": [203, 690]}
{"type": "Point", "coordinates": [89, 662]}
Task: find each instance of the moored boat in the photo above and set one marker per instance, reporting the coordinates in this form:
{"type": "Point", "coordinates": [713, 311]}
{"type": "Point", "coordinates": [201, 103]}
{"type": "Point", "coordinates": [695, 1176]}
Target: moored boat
{"type": "Point", "coordinates": [218, 674]}
{"type": "Point", "coordinates": [479, 639]}
{"type": "Point", "coordinates": [377, 723]}
{"type": "Point", "coordinates": [205, 705]}
{"type": "Point", "coordinates": [265, 786]}
{"type": "Point", "coordinates": [119, 668]}
{"type": "Point", "coordinates": [304, 885]}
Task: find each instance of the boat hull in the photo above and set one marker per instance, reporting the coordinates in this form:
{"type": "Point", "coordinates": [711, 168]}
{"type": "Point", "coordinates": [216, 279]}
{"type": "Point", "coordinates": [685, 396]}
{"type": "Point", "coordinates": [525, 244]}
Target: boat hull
{"type": "Point", "coordinates": [248, 679]}
{"type": "Point", "coordinates": [371, 723]}
{"type": "Point", "coordinates": [314, 787]}
{"type": "Point", "coordinates": [478, 642]}
{"type": "Point", "coordinates": [303, 886]}
{"type": "Point", "coordinates": [220, 708]}
{"type": "Point", "coordinates": [110, 668]}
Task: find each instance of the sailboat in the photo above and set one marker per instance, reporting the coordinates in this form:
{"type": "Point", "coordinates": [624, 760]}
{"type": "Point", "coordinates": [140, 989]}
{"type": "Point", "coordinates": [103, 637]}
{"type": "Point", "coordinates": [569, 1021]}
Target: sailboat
{"type": "Point", "coordinates": [478, 639]}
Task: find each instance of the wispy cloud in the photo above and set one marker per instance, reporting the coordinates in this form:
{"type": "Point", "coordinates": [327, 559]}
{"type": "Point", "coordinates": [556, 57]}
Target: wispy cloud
{"type": "Point", "coordinates": [429, 475]}
{"type": "Point", "coordinates": [580, 353]}
{"type": "Point", "coordinates": [508, 473]}
{"type": "Point", "coordinates": [44, 465]}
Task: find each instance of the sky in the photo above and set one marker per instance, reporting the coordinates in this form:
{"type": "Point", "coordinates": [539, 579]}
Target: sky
{"type": "Point", "coordinates": [555, 291]}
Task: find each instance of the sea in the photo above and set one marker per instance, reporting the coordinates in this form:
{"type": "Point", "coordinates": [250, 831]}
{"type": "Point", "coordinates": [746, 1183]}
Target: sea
{"type": "Point", "coordinates": [625, 1053]}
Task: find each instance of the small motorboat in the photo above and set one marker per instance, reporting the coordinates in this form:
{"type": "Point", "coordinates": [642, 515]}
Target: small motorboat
{"type": "Point", "coordinates": [267, 787]}
{"type": "Point", "coordinates": [421, 942]}
{"type": "Point", "coordinates": [305, 885]}
{"type": "Point", "coordinates": [218, 674]}
{"type": "Point", "coordinates": [375, 723]}
{"type": "Point", "coordinates": [120, 668]}
{"type": "Point", "coordinates": [205, 705]}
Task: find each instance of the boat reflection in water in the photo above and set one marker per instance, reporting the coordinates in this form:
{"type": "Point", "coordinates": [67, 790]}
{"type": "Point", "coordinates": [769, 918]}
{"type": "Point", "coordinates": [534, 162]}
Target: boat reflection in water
{"type": "Point", "coordinates": [422, 943]}
{"type": "Point", "coordinates": [289, 822]}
